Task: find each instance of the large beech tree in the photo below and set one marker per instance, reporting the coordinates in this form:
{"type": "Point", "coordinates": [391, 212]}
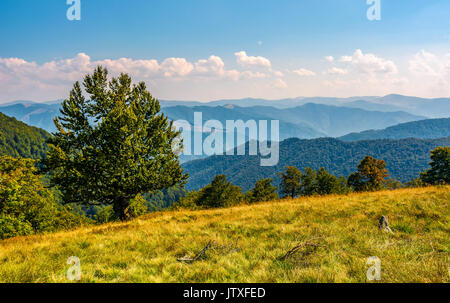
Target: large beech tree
{"type": "Point", "coordinates": [112, 144]}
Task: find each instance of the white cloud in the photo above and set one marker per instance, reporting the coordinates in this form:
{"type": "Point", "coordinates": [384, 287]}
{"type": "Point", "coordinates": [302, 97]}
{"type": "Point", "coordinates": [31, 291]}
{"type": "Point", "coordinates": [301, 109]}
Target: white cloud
{"type": "Point", "coordinates": [277, 73]}
{"type": "Point", "coordinates": [252, 75]}
{"type": "Point", "coordinates": [248, 61]}
{"type": "Point", "coordinates": [426, 74]}
{"type": "Point", "coordinates": [215, 67]}
{"type": "Point", "coordinates": [337, 71]}
{"type": "Point", "coordinates": [304, 72]}
{"type": "Point", "coordinates": [329, 58]}
{"type": "Point", "coordinates": [369, 63]}
{"type": "Point", "coordinates": [176, 67]}
{"type": "Point", "coordinates": [279, 83]}
{"type": "Point", "coordinates": [139, 68]}
{"type": "Point", "coordinates": [428, 64]}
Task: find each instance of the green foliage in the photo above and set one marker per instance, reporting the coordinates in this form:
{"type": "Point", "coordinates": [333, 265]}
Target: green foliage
{"type": "Point", "coordinates": [164, 199]}
{"type": "Point", "coordinates": [262, 192]}
{"type": "Point", "coordinates": [291, 182]}
{"type": "Point", "coordinates": [220, 193]}
{"type": "Point", "coordinates": [11, 226]}
{"type": "Point", "coordinates": [439, 173]}
{"type": "Point", "coordinates": [311, 182]}
{"type": "Point", "coordinates": [105, 215]}
{"type": "Point", "coordinates": [327, 183]}
{"type": "Point", "coordinates": [404, 158]}
{"type": "Point", "coordinates": [26, 205]}
{"type": "Point", "coordinates": [414, 183]}
{"type": "Point", "coordinates": [308, 179]}
{"type": "Point", "coordinates": [189, 201]}
{"type": "Point", "coordinates": [20, 140]}
{"type": "Point", "coordinates": [136, 208]}
{"type": "Point", "coordinates": [393, 184]}
{"type": "Point", "coordinates": [112, 145]}
{"type": "Point", "coordinates": [371, 175]}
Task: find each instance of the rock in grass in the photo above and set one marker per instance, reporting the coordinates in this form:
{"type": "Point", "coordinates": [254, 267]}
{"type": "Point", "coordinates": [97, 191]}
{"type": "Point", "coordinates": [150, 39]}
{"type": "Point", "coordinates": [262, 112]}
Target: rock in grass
{"type": "Point", "coordinates": [383, 224]}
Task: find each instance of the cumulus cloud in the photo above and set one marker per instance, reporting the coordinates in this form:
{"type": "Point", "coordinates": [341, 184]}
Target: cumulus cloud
{"type": "Point", "coordinates": [428, 64]}
{"type": "Point", "coordinates": [251, 75]}
{"type": "Point", "coordinates": [329, 58]}
{"type": "Point", "coordinates": [337, 71]}
{"type": "Point", "coordinates": [279, 83]}
{"type": "Point", "coordinates": [369, 63]}
{"type": "Point", "coordinates": [248, 61]}
{"type": "Point", "coordinates": [25, 79]}
{"type": "Point", "coordinates": [176, 67]}
{"type": "Point", "coordinates": [215, 67]}
{"type": "Point", "coordinates": [304, 72]}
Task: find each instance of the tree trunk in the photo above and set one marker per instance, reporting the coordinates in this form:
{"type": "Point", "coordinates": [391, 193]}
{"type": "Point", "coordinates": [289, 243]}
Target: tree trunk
{"type": "Point", "coordinates": [120, 207]}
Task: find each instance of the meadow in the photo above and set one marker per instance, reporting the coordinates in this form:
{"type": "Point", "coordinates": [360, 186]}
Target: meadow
{"type": "Point", "coordinates": [335, 236]}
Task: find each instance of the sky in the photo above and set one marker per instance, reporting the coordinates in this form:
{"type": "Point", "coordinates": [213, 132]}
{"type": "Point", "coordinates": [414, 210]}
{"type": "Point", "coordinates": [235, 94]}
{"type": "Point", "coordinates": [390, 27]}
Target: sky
{"type": "Point", "coordinates": [227, 49]}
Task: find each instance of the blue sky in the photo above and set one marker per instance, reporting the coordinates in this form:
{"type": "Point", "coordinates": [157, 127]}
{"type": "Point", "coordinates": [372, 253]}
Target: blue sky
{"type": "Point", "coordinates": [292, 35]}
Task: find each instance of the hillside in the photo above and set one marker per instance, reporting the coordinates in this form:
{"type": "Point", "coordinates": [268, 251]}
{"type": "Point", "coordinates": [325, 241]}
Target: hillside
{"type": "Point", "coordinates": [20, 140]}
{"type": "Point", "coordinates": [248, 241]}
{"type": "Point", "coordinates": [424, 129]}
{"type": "Point", "coordinates": [405, 159]}
{"type": "Point", "coordinates": [35, 114]}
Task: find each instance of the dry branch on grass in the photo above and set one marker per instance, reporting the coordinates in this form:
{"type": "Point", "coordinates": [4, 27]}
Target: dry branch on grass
{"type": "Point", "coordinates": [296, 249]}
{"type": "Point", "coordinates": [199, 255]}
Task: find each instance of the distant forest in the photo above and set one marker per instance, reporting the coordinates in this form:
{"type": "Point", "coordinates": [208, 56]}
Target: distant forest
{"type": "Point", "coordinates": [19, 140]}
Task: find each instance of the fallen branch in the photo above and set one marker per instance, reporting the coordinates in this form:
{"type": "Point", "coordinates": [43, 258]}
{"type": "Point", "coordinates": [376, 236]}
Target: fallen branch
{"type": "Point", "coordinates": [296, 249]}
{"type": "Point", "coordinates": [197, 256]}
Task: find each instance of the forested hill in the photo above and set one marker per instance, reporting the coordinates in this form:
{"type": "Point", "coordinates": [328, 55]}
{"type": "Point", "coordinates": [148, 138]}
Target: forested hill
{"type": "Point", "coordinates": [426, 129]}
{"type": "Point", "coordinates": [405, 159]}
{"type": "Point", "coordinates": [17, 139]}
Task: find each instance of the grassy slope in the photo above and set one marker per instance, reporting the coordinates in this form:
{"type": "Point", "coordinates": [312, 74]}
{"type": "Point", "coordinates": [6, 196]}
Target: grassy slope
{"type": "Point", "coordinates": [146, 249]}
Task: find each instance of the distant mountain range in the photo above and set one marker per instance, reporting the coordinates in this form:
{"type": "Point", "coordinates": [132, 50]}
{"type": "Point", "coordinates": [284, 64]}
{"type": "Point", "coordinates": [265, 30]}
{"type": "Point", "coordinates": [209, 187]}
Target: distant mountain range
{"type": "Point", "coordinates": [20, 140]}
{"type": "Point", "coordinates": [304, 120]}
{"type": "Point", "coordinates": [405, 159]}
{"type": "Point", "coordinates": [350, 119]}
{"type": "Point", "coordinates": [430, 108]}
{"type": "Point", "coordinates": [424, 129]}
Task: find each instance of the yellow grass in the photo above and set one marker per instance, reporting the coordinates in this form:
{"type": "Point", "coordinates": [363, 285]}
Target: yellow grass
{"type": "Point", "coordinates": [248, 241]}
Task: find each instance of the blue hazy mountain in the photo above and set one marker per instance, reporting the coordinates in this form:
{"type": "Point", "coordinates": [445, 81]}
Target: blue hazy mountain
{"type": "Point", "coordinates": [425, 129]}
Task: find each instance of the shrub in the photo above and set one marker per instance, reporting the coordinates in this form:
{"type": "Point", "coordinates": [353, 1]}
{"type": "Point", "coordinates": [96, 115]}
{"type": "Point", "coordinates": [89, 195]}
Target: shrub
{"type": "Point", "coordinates": [26, 205]}
{"type": "Point", "coordinates": [263, 191]}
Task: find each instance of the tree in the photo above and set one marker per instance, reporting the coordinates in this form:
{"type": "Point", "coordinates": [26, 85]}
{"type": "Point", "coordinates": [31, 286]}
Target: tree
{"type": "Point", "coordinates": [371, 175]}
{"type": "Point", "coordinates": [439, 173]}
{"type": "Point", "coordinates": [263, 191]}
{"type": "Point", "coordinates": [112, 145]}
{"type": "Point", "coordinates": [308, 179]}
{"type": "Point", "coordinates": [291, 185]}
{"type": "Point", "coordinates": [219, 193]}
{"type": "Point", "coordinates": [328, 183]}
{"type": "Point", "coordinates": [26, 205]}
